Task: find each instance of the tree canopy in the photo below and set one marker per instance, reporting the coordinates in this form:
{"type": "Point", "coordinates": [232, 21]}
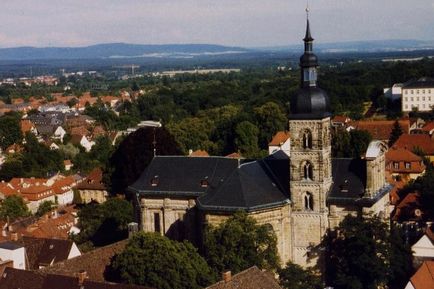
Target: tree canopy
{"type": "Point", "coordinates": [294, 276]}
{"type": "Point", "coordinates": [105, 223]}
{"type": "Point", "coordinates": [240, 243]}
{"type": "Point", "coordinates": [364, 254]}
{"type": "Point", "coordinates": [13, 207]}
{"type": "Point", "coordinates": [152, 260]}
{"type": "Point", "coordinates": [10, 130]}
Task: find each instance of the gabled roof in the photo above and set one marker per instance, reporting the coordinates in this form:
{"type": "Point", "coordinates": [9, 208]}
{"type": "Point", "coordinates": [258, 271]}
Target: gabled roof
{"type": "Point", "coordinates": [93, 181]}
{"type": "Point", "coordinates": [43, 252]}
{"type": "Point", "coordinates": [424, 277]}
{"type": "Point", "coordinates": [93, 262]}
{"type": "Point", "coordinates": [279, 138]}
{"type": "Point", "coordinates": [381, 129]}
{"type": "Point", "coordinates": [22, 279]}
{"type": "Point", "coordinates": [411, 141]}
{"type": "Point", "coordinates": [252, 278]}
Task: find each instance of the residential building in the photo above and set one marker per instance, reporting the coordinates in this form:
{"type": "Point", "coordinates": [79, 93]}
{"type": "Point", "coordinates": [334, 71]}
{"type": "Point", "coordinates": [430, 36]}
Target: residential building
{"type": "Point", "coordinates": [423, 249]}
{"type": "Point", "coordinates": [23, 279]}
{"type": "Point", "coordinates": [404, 163]}
{"type": "Point", "coordinates": [281, 141]}
{"type": "Point", "coordinates": [380, 129]}
{"type": "Point", "coordinates": [92, 189]}
{"type": "Point", "coordinates": [418, 95]}
{"type": "Point", "coordinates": [423, 278]}
{"type": "Point", "coordinates": [252, 278]}
{"type": "Point", "coordinates": [417, 142]}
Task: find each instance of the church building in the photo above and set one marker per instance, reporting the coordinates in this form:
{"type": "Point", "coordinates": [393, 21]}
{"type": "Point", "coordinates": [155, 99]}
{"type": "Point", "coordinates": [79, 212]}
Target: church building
{"type": "Point", "coordinates": [300, 194]}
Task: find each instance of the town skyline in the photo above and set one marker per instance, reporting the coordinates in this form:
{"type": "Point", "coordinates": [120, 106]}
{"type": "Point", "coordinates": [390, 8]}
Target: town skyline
{"type": "Point", "coordinates": [243, 23]}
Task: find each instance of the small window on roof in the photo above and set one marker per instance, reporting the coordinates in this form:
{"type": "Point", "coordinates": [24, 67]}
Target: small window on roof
{"type": "Point", "coordinates": [155, 181]}
{"type": "Point", "coordinates": [204, 182]}
{"type": "Point", "coordinates": [407, 165]}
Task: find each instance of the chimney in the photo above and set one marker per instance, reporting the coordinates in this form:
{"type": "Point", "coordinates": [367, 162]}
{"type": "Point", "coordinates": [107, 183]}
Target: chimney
{"type": "Point", "coordinates": [82, 275]}
{"type": "Point", "coordinates": [14, 236]}
{"type": "Point", "coordinates": [227, 276]}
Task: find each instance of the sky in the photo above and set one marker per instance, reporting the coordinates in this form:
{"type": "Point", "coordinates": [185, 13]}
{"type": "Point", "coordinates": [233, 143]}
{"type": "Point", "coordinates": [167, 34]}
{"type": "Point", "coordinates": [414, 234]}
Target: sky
{"type": "Point", "coordinates": [247, 23]}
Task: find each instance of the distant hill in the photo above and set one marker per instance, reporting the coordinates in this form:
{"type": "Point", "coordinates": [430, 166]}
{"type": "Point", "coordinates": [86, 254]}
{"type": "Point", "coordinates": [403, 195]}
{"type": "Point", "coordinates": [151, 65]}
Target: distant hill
{"type": "Point", "coordinates": [359, 46]}
{"type": "Point", "coordinates": [118, 50]}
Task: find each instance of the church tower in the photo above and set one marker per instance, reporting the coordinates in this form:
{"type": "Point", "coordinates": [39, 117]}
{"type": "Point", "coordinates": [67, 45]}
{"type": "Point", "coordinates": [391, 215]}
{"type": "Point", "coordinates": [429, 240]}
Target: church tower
{"type": "Point", "coordinates": [310, 168]}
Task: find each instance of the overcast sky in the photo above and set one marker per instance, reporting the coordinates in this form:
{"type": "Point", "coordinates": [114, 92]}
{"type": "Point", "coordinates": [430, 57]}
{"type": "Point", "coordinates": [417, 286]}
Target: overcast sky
{"type": "Point", "coordinates": [228, 22]}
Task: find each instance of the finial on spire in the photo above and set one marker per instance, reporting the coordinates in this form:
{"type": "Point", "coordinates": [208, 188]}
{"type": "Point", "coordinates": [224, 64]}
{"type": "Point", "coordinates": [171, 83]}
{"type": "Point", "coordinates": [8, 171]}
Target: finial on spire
{"type": "Point", "coordinates": [307, 9]}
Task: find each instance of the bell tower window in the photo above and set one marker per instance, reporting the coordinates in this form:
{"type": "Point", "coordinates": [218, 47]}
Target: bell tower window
{"type": "Point", "coordinates": [308, 201]}
{"type": "Point", "coordinates": [307, 139]}
{"type": "Point", "coordinates": [307, 171]}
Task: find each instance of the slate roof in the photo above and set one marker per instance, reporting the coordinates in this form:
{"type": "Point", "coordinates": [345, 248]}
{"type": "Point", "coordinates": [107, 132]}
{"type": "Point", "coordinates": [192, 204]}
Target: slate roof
{"type": "Point", "coordinates": [220, 183]}
{"type": "Point", "coordinates": [252, 278]}
{"type": "Point", "coordinates": [349, 183]}
{"type": "Point", "coordinates": [424, 82]}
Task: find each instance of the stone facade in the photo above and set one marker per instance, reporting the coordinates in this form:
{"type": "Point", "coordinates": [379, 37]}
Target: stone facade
{"type": "Point", "coordinates": [310, 181]}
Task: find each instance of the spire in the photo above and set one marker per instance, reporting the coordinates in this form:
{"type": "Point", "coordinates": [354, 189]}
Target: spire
{"type": "Point", "coordinates": [308, 37]}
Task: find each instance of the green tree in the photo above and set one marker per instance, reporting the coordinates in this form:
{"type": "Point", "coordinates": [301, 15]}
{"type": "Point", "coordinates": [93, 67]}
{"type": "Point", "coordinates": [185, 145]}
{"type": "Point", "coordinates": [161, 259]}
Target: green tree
{"type": "Point", "coordinates": [10, 130]}
{"type": "Point", "coordinates": [240, 243]}
{"type": "Point", "coordinates": [246, 139]}
{"type": "Point", "coordinates": [150, 259]}
{"type": "Point", "coordinates": [45, 207]}
{"type": "Point", "coordinates": [359, 141]}
{"type": "Point", "coordinates": [364, 254]}
{"type": "Point", "coordinates": [294, 276]}
{"type": "Point", "coordinates": [395, 133]}
{"type": "Point", "coordinates": [106, 223]}
{"type": "Point", "coordinates": [270, 119]}
{"type": "Point", "coordinates": [13, 207]}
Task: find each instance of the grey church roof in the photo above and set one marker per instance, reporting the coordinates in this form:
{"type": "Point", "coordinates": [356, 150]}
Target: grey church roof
{"type": "Point", "coordinates": [231, 184]}
{"type": "Point", "coordinates": [349, 183]}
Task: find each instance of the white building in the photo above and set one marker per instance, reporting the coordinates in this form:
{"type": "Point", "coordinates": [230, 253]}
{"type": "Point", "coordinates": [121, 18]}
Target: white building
{"type": "Point", "coordinates": [418, 95]}
{"type": "Point", "coordinates": [394, 92]}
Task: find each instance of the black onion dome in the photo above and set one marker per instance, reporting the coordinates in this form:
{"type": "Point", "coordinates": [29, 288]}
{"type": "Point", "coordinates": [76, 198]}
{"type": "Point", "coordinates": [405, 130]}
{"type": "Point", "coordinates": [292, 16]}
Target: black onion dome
{"type": "Point", "coordinates": [310, 103]}
{"type": "Point", "coordinates": [308, 60]}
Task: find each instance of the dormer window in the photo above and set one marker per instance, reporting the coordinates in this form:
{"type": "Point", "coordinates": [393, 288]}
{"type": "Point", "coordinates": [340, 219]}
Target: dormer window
{"type": "Point", "coordinates": [204, 183]}
{"type": "Point", "coordinates": [396, 165]}
{"type": "Point", "coordinates": [407, 166]}
{"type": "Point", "coordinates": [154, 181]}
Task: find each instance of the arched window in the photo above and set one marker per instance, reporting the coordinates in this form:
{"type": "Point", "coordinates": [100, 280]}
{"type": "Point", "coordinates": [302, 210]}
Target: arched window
{"type": "Point", "coordinates": [307, 171]}
{"type": "Point", "coordinates": [307, 139]}
{"type": "Point", "coordinates": [308, 201]}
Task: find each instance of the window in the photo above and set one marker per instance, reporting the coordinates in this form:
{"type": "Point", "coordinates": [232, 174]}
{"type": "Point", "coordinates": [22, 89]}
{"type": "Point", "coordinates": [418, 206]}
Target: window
{"type": "Point", "coordinates": [307, 139]}
{"type": "Point", "coordinates": [204, 182]}
{"type": "Point", "coordinates": [417, 91]}
{"type": "Point", "coordinates": [157, 227]}
{"type": "Point", "coordinates": [406, 106]}
{"type": "Point", "coordinates": [411, 98]}
{"type": "Point", "coordinates": [308, 171]}
{"type": "Point", "coordinates": [405, 98]}
{"type": "Point", "coordinates": [423, 98]}
{"type": "Point", "coordinates": [412, 91]}
{"type": "Point", "coordinates": [407, 165]}
{"type": "Point", "coordinates": [308, 201]}
{"type": "Point", "coordinates": [417, 98]}
{"type": "Point", "coordinates": [396, 166]}
{"type": "Point", "coordinates": [423, 91]}
{"type": "Point", "coordinates": [154, 181]}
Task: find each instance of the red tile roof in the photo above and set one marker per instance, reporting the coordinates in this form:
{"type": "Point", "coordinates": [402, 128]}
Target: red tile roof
{"type": "Point", "coordinates": [252, 278]}
{"type": "Point", "coordinates": [381, 129]}
{"type": "Point", "coordinates": [234, 156]}
{"type": "Point", "coordinates": [26, 126]}
{"type": "Point", "coordinates": [199, 153]}
{"type": "Point", "coordinates": [402, 156]}
{"type": "Point", "coordinates": [424, 277]}
{"type": "Point", "coordinates": [93, 181]}
{"type": "Point", "coordinates": [411, 141]}
{"type": "Point", "coordinates": [279, 138]}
